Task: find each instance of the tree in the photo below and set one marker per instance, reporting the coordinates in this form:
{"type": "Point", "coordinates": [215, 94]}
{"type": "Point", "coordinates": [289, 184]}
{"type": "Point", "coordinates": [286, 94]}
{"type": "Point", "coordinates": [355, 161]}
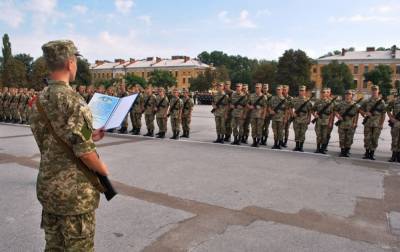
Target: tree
{"type": "Point", "coordinates": [381, 49]}
{"type": "Point", "coordinates": [337, 77]}
{"type": "Point", "coordinates": [14, 73]}
{"type": "Point", "coordinates": [7, 55]}
{"type": "Point", "coordinates": [221, 73]}
{"type": "Point", "coordinates": [203, 82]}
{"type": "Point", "coordinates": [294, 70]}
{"type": "Point", "coordinates": [83, 76]}
{"type": "Point", "coordinates": [39, 72]}
{"type": "Point", "coordinates": [382, 77]}
{"type": "Point", "coordinates": [27, 60]}
{"type": "Point", "coordinates": [160, 78]}
{"type": "Point", "coordinates": [132, 79]}
{"type": "Point", "coordinates": [265, 73]}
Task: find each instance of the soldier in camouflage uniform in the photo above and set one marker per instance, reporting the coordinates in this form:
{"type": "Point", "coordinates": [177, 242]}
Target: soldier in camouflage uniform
{"type": "Point", "coordinates": [285, 93]}
{"type": "Point", "coordinates": [374, 121]}
{"type": "Point", "coordinates": [82, 92]}
{"type": "Point", "coordinates": [149, 109]}
{"type": "Point", "coordinates": [175, 113]}
{"type": "Point", "coordinates": [187, 109]}
{"type": "Point", "coordinates": [101, 89]}
{"type": "Point", "coordinates": [162, 104]}
{"type": "Point", "coordinates": [68, 198]}
{"type": "Point", "coordinates": [220, 104]}
{"type": "Point", "coordinates": [257, 106]}
{"type": "Point", "coordinates": [3, 95]}
{"type": "Point", "coordinates": [228, 121]}
{"type": "Point", "coordinates": [347, 123]}
{"type": "Point", "coordinates": [277, 107]}
{"type": "Point", "coordinates": [136, 110]}
{"type": "Point", "coordinates": [90, 93]}
{"type": "Point", "coordinates": [122, 93]}
{"type": "Point", "coordinates": [301, 119]}
{"type": "Point", "coordinates": [238, 104]}
{"type": "Point", "coordinates": [247, 116]}
{"type": "Point", "coordinates": [23, 103]}
{"type": "Point", "coordinates": [14, 106]}
{"type": "Point", "coordinates": [393, 112]}
{"type": "Point", "coordinates": [267, 118]}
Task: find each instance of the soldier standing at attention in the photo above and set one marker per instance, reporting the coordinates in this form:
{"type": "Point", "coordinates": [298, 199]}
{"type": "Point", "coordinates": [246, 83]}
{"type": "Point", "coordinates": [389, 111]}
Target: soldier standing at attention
{"type": "Point", "coordinates": [228, 121]}
{"type": "Point", "coordinates": [161, 109]}
{"type": "Point", "coordinates": [68, 198]}
{"type": "Point", "coordinates": [90, 93]}
{"type": "Point", "coordinates": [247, 116]}
{"type": "Point", "coordinates": [267, 119]}
{"type": "Point", "coordinates": [123, 93]}
{"type": "Point", "coordinates": [3, 97]}
{"type": "Point", "coordinates": [301, 114]}
{"type": "Point", "coordinates": [257, 105]}
{"type": "Point", "coordinates": [347, 114]}
{"type": "Point", "coordinates": [82, 92]}
{"type": "Point", "coordinates": [136, 110]}
{"type": "Point", "coordinates": [278, 111]}
{"type": "Point", "coordinates": [101, 89]}
{"type": "Point", "coordinates": [238, 103]}
{"type": "Point", "coordinates": [373, 111]}
{"type": "Point", "coordinates": [175, 113]}
{"type": "Point", "coordinates": [323, 120]}
{"type": "Point", "coordinates": [285, 93]}
{"type": "Point", "coordinates": [188, 104]}
{"type": "Point", "coordinates": [220, 103]}
{"type": "Point", "coordinates": [330, 128]}
{"type": "Point", "coordinates": [393, 111]}
{"type": "Point", "coordinates": [149, 109]}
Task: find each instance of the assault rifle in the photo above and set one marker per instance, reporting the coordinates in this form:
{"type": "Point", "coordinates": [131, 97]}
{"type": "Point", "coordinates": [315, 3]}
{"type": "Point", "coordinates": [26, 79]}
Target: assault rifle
{"type": "Point", "coordinates": [372, 110]}
{"type": "Point", "coordinates": [277, 108]}
{"type": "Point", "coordinates": [347, 112]}
{"type": "Point", "coordinates": [173, 107]}
{"type": "Point", "coordinates": [218, 103]}
{"type": "Point", "coordinates": [159, 105]}
{"type": "Point", "coordinates": [322, 111]}
{"type": "Point", "coordinates": [300, 109]}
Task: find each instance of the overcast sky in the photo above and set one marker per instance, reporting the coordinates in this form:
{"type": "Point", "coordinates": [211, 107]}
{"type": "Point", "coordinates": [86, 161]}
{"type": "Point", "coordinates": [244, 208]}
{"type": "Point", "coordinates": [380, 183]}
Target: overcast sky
{"type": "Point", "coordinates": [108, 29]}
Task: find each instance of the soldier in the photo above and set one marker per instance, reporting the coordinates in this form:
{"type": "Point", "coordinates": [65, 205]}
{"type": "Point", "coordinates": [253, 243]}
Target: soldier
{"type": "Point", "coordinates": [285, 93]}
{"type": "Point", "coordinates": [228, 121]}
{"type": "Point", "coordinates": [23, 103]}
{"type": "Point", "coordinates": [136, 110]}
{"type": "Point", "coordinates": [14, 106]}
{"type": "Point", "coordinates": [3, 95]}
{"type": "Point", "coordinates": [175, 113]}
{"type": "Point", "coordinates": [188, 104]}
{"type": "Point", "coordinates": [123, 93]}
{"type": "Point", "coordinates": [238, 103]}
{"type": "Point", "coordinates": [347, 114]}
{"type": "Point", "coordinates": [82, 92]}
{"type": "Point", "coordinates": [393, 111]}
{"type": "Point", "coordinates": [330, 128]}
{"type": "Point", "coordinates": [257, 106]}
{"type": "Point", "coordinates": [90, 93]}
{"type": "Point", "coordinates": [68, 197]}
{"type": "Point", "coordinates": [247, 116]}
{"type": "Point", "coordinates": [101, 89]}
{"type": "Point", "coordinates": [323, 113]}
{"type": "Point", "coordinates": [373, 111]}
{"type": "Point", "coordinates": [220, 103]}
{"type": "Point", "coordinates": [161, 112]}
{"type": "Point", "coordinates": [301, 116]}
{"type": "Point", "coordinates": [110, 91]}
{"type": "Point", "coordinates": [267, 118]}
{"type": "Point", "coordinates": [278, 112]}
{"type": "Point", "coordinates": [148, 110]}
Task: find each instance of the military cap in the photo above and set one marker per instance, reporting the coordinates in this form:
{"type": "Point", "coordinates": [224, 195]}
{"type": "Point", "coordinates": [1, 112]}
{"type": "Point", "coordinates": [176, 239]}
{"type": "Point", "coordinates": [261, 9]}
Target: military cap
{"type": "Point", "coordinates": [239, 84]}
{"type": "Point", "coordinates": [265, 85]}
{"type": "Point", "coordinates": [326, 89]}
{"type": "Point", "coordinates": [220, 84]}
{"type": "Point", "coordinates": [374, 87]}
{"type": "Point", "coordinates": [285, 86]}
{"type": "Point", "coordinates": [279, 87]}
{"type": "Point", "coordinates": [302, 88]}
{"type": "Point", "coordinates": [228, 83]}
{"type": "Point", "coordinates": [58, 51]}
{"type": "Point", "coordinates": [349, 91]}
{"type": "Point", "coordinates": [258, 85]}
{"type": "Point", "coordinates": [161, 89]}
{"type": "Point", "coordinates": [245, 85]}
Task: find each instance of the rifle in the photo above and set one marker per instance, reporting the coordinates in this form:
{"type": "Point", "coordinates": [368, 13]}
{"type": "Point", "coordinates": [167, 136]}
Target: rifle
{"type": "Point", "coordinates": [372, 110]}
{"type": "Point", "coordinates": [218, 103]}
{"type": "Point", "coordinates": [277, 108]}
{"type": "Point", "coordinates": [185, 104]}
{"type": "Point", "coordinates": [322, 111]}
{"type": "Point", "coordinates": [256, 103]}
{"type": "Point", "coordinates": [172, 108]}
{"type": "Point", "coordinates": [146, 103]}
{"type": "Point", "coordinates": [239, 101]}
{"type": "Point", "coordinates": [347, 111]}
{"type": "Point", "coordinates": [397, 117]}
{"type": "Point", "coordinates": [300, 109]}
{"type": "Point", "coordinates": [159, 105]}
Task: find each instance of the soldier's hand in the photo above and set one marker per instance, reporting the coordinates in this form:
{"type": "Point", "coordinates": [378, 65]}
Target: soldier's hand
{"type": "Point", "coordinates": [98, 134]}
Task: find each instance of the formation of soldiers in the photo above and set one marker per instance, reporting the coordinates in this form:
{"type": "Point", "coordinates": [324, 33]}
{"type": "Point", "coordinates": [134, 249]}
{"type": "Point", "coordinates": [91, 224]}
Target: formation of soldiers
{"type": "Point", "coordinates": [236, 111]}
{"type": "Point", "coordinates": [15, 104]}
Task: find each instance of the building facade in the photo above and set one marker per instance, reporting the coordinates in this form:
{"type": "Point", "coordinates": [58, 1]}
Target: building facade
{"type": "Point", "coordinates": [183, 68]}
{"type": "Point", "coordinates": [360, 62]}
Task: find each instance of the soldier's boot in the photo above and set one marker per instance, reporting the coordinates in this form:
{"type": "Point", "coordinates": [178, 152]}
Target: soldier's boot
{"type": "Point", "coordinates": [183, 133]}
{"type": "Point", "coordinates": [366, 154]}
{"type": "Point", "coordinates": [188, 134]}
{"type": "Point", "coordinates": [173, 135]}
{"type": "Point", "coordinates": [276, 145]}
{"type": "Point", "coordinates": [221, 139]}
{"type": "Point", "coordinates": [254, 142]}
{"type": "Point", "coordinates": [262, 141]}
{"type": "Point", "coordinates": [347, 152]}
{"type": "Point", "coordinates": [394, 157]}
{"type": "Point", "coordinates": [227, 138]}
{"type": "Point", "coordinates": [160, 135]}
{"type": "Point", "coordinates": [151, 133]}
{"type": "Point", "coordinates": [280, 144]}
{"type": "Point", "coordinates": [242, 139]}
{"type": "Point", "coordinates": [284, 143]}
{"type": "Point", "coordinates": [246, 137]}
{"type": "Point", "coordinates": [398, 157]}
{"type": "Point", "coordinates": [177, 135]}
{"type": "Point", "coordinates": [297, 148]}
{"type": "Point", "coordinates": [147, 134]}
{"type": "Point", "coordinates": [123, 130]}
{"type": "Point", "coordinates": [318, 148]}
{"type": "Point", "coordinates": [218, 139]}
{"type": "Point", "coordinates": [301, 146]}
{"type": "Point", "coordinates": [372, 155]}
{"type": "Point", "coordinates": [342, 152]}
{"type": "Point", "coordinates": [323, 149]}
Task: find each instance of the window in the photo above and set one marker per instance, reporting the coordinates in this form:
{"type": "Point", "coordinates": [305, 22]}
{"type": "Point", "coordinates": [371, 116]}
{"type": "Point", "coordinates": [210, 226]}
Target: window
{"type": "Point", "coordinates": [365, 84]}
{"type": "Point", "coordinates": [148, 74]}
{"type": "Point", "coordinates": [176, 73]}
{"type": "Point", "coordinates": [142, 74]}
{"type": "Point", "coordinates": [398, 69]}
{"type": "Point", "coordinates": [355, 83]}
{"type": "Point", "coordinates": [366, 69]}
{"type": "Point", "coordinates": [184, 80]}
{"type": "Point", "coordinates": [314, 70]}
{"type": "Point", "coordinates": [103, 75]}
{"type": "Point", "coordinates": [355, 70]}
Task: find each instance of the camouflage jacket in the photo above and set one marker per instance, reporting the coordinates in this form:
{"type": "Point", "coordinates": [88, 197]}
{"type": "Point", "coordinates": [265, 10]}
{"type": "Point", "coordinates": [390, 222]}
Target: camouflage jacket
{"type": "Point", "coordinates": [273, 103]}
{"type": "Point", "coordinates": [175, 107]}
{"type": "Point", "coordinates": [162, 105]}
{"type": "Point", "coordinates": [304, 114]}
{"type": "Point", "coordinates": [61, 186]}
{"type": "Point", "coordinates": [259, 103]}
{"type": "Point", "coordinates": [188, 105]}
{"type": "Point", "coordinates": [223, 104]}
{"type": "Point", "coordinates": [149, 104]}
{"type": "Point", "coordinates": [349, 119]}
{"type": "Point", "coordinates": [239, 101]}
{"type": "Point", "coordinates": [137, 106]}
{"type": "Point", "coordinates": [394, 108]}
{"type": "Point", "coordinates": [375, 119]}
{"type": "Point", "coordinates": [324, 117]}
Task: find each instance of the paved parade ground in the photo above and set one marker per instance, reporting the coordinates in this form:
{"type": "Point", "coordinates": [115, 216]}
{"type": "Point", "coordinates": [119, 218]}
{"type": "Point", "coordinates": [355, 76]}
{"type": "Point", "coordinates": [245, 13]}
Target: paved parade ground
{"type": "Point", "coordinates": [192, 195]}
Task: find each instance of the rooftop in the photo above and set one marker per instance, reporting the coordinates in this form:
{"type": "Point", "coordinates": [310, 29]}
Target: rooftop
{"type": "Point", "coordinates": [369, 54]}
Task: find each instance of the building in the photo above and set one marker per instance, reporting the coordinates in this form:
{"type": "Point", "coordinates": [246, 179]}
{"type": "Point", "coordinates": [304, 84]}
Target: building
{"type": "Point", "coordinates": [359, 63]}
{"type": "Point", "coordinates": [183, 68]}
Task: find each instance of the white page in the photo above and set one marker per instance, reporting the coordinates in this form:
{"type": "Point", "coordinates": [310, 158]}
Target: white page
{"type": "Point", "coordinates": [120, 112]}
{"type": "Point", "coordinates": [102, 107]}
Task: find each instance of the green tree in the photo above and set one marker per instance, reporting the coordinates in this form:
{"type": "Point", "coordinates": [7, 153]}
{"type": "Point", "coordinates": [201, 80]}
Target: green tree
{"type": "Point", "coordinates": [132, 79]}
{"type": "Point", "coordinates": [381, 49]}
{"type": "Point", "coordinates": [83, 76]}
{"type": "Point", "coordinates": [381, 76]}
{"type": "Point", "coordinates": [39, 73]}
{"type": "Point", "coordinates": [203, 81]}
{"type": "Point", "coordinates": [338, 77]}
{"type": "Point", "coordinates": [160, 78]}
{"type": "Point", "coordinates": [7, 55]}
{"type": "Point", "coordinates": [14, 73]}
{"type": "Point", "coordinates": [294, 70]}
{"type": "Point", "coordinates": [221, 73]}
{"type": "Point", "coordinates": [265, 73]}
{"type": "Point", "coordinates": [27, 60]}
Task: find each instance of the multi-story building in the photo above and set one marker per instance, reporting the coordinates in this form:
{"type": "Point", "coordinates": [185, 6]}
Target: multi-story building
{"type": "Point", "coordinates": [359, 63]}
{"type": "Point", "coordinates": [183, 68]}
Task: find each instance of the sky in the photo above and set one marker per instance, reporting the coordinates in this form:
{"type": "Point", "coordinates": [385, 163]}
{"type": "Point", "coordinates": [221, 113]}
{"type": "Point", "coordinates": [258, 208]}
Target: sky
{"type": "Point", "coordinates": [262, 29]}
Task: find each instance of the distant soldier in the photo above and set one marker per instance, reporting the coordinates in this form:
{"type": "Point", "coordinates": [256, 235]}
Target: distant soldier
{"type": "Point", "coordinates": [175, 113]}
{"type": "Point", "coordinates": [122, 93]}
{"type": "Point", "coordinates": [110, 91]}
{"type": "Point", "coordinates": [301, 114]}
{"type": "Point", "coordinates": [330, 128]}
{"type": "Point", "coordinates": [14, 106]}
{"type": "Point", "coordinates": [90, 93]}
{"type": "Point", "coordinates": [220, 103]}
{"type": "Point", "coordinates": [373, 111]}
{"type": "Point", "coordinates": [188, 104]}
{"type": "Point", "coordinates": [101, 89]}
{"type": "Point", "coordinates": [285, 93]}
{"type": "Point", "coordinates": [393, 111]}
{"type": "Point", "coordinates": [162, 104]}
{"type": "Point", "coordinates": [228, 121]}
{"type": "Point", "coordinates": [3, 96]}
{"type": "Point", "coordinates": [82, 92]}
{"type": "Point", "coordinates": [267, 118]}
{"type": "Point", "coordinates": [247, 116]}
{"type": "Point", "coordinates": [136, 110]}
{"type": "Point", "coordinates": [278, 112]}
{"type": "Point", "coordinates": [347, 114]}
{"type": "Point", "coordinates": [257, 106]}
{"type": "Point", "coordinates": [238, 103]}
{"type": "Point", "coordinates": [323, 113]}
{"type": "Point", "coordinates": [23, 103]}
{"type": "Point", "coordinates": [149, 108]}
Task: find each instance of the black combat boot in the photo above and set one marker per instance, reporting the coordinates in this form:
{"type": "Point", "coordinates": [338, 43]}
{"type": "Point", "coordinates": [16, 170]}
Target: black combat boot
{"type": "Point", "coordinates": [276, 145]}
{"type": "Point", "coordinates": [227, 138]}
{"type": "Point", "coordinates": [177, 135]}
{"type": "Point", "coordinates": [342, 152]}
{"type": "Point", "coordinates": [123, 130]}
{"type": "Point", "coordinates": [346, 152]}
{"type": "Point", "coordinates": [394, 157]}
{"type": "Point", "coordinates": [372, 155]}
{"type": "Point", "coordinates": [301, 147]}
{"type": "Point", "coordinates": [297, 148]}
{"type": "Point", "coordinates": [262, 141]}
{"type": "Point", "coordinates": [398, 157]}
{"type": "Point", "coordinates": [242, 139]}
{"type": "Point", "coordinates": [151, 133]}
{"type": "Point", "coordinates": [160, 135]}
{"type": "Point", "coordinates": [188, 134]}
{"type": "Point", "coordinates": [183, 133]}
{"type": "Point", "coordinates": [218, 139]}
{"type": "Point", "coordinates": [366, 154]}
{"type": "Point", "coordinates": [246, 137]}
{"type": "Point", "coordinates": [281, 144]}
{"type": "Point", "coordinates": [221, 139]}
{"type": "Point", "coordinates": [254, 142]}
{"type": "Point", "coordinates": [323, 149]}
{"type": "Point", "coordinates": [284, 143]}
{"type": "Point", "coordinates": [318, 150]}
{"type": "Point", "coordinates": [173, 136]}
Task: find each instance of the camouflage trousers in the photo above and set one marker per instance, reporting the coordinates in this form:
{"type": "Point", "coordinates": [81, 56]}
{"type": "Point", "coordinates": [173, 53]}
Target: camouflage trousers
{"type": "Point", "coordinates": [186, 120]}
{"type": "Point", "coordinates": [278, 128]}
{"type": "Point", "coordinates": [300, 130]}
{"type": "Point", "coordinates": [149, 118]}
{"type": "Point", "coordinates": [371, 137]}
{"type": "Point", "coordinates": [322, 133]}
{"type": "Point", "coordinates": [237, 126]}
{"type": "Point", "coordinates": [175, 124]}
{"type": "Point", "coordinates": [22, 113]}
{"type": "Point", "coordinates": [228, 124]}
{"type": "Point", "coordinates": [136, 120]}
{"type": "Point", "coordinates": [265, 130]}
{"type": "Point", "coordinates": [220, 125]}
{"type": "Point", "coordinates": [162, 124]}
{"type": "Point", "coordinates": [287, 126]}
{"type": "Point", "coordinates": [69, 232]}
{"type": "Point", "coordinates": [246, 124]}
{"type": "Point", "coordinates": [256, 127]}
{"type": "Point", "coordinates": [395, 132]}
{"type": "Point", "coordinates": [346, 136]}
{"type": "Point", "coordinates": [124, 123]}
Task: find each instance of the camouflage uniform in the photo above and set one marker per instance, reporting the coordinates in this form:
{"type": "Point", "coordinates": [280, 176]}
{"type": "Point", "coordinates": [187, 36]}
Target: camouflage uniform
{"type": "Point", "coordinates": [322, 124]}
{"type": "Point", "coordinates": [228, 120]}
{"type": "Point", "coordinates": [23, 104]}
{"type": "Point", "coordinates": [175, 111]}
{"type": "Point", "coordinates": [239, 102]}
{"type": "Point", "coordinates": [136, 114]}
{"type": "Point", "coordinates": [124, 124]}
{"type": "Point", "coordinates": [257, 113]}
{"type": "Point", "coordinates": [220, 114]}
{"type": "Point", "coordinates": [161, 115]}
{"type": "Point", "coordinates": [2, 96]}
{"type": "Point", "coordinates": [247, 117]}
{"type": "Point", "coordinates": [188, 104]}
{"type": "Point", "coordinates": [278, 119]}
{"type": "Point", "coordinates": [289, 99]}
{"type": "Point", "coordinates": [267, 119]}
{"type": "Point", "coordinates": [149, 105]}
{"type": "Point", "coordinates": [301, 119]}
{"type": "Point", "coordinates": [394, 108]}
